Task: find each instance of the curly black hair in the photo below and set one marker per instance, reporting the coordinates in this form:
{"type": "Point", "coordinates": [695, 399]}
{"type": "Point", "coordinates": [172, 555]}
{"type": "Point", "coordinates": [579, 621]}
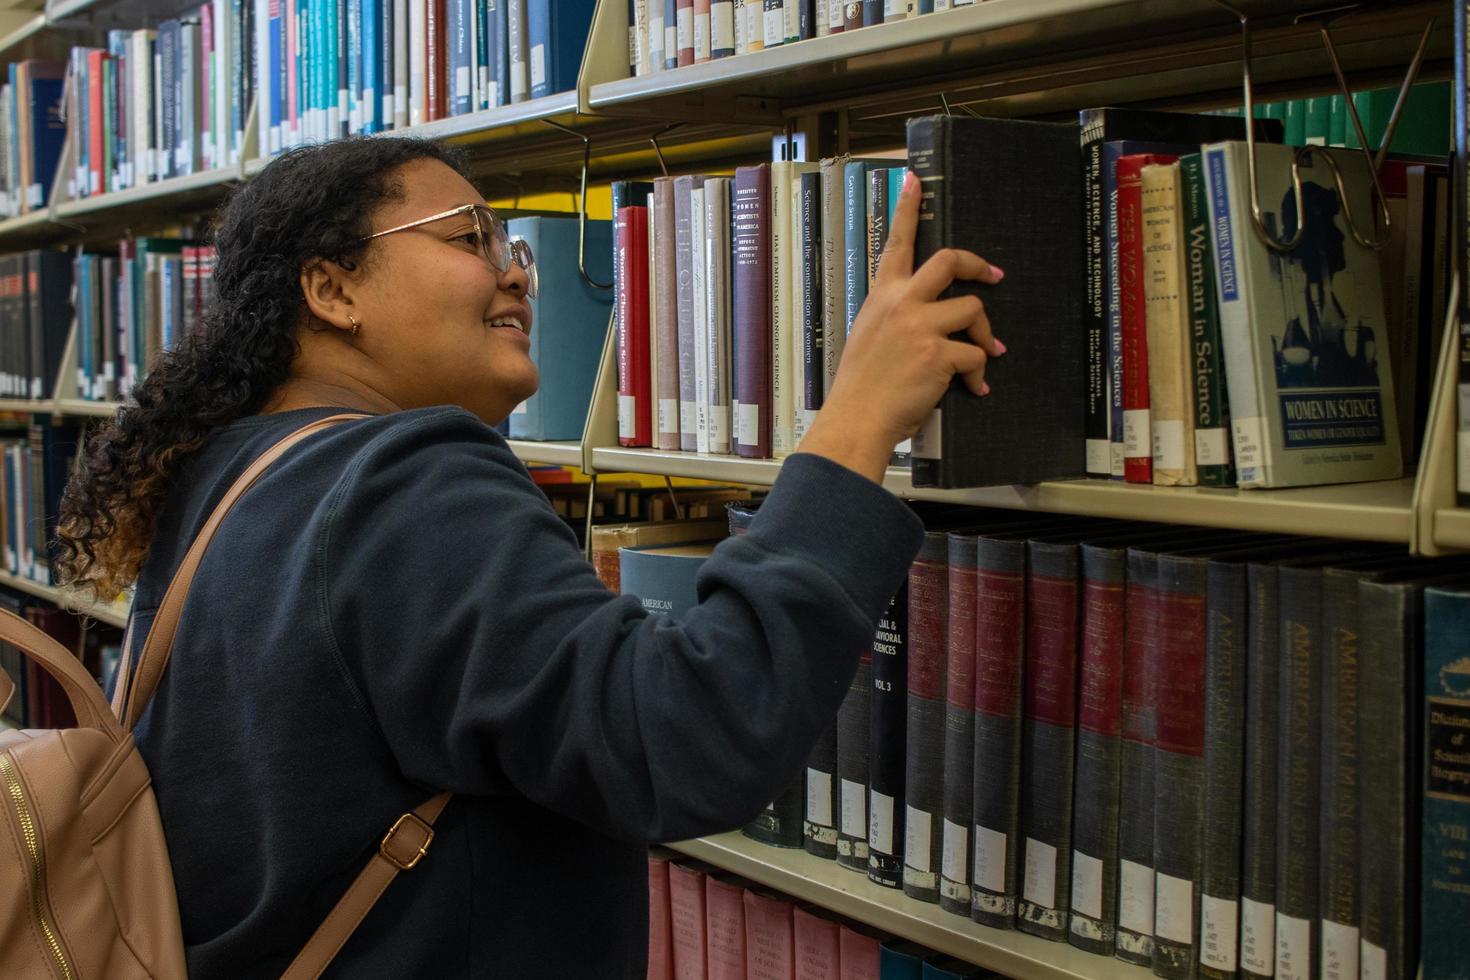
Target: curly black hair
{"type": "Point", "coordinates": [310, 204]}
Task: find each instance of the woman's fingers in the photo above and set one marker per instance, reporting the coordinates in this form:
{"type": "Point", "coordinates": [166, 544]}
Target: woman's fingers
{"type": "Point", "coordinates": [897, 261]}
{"type": "Point", "coordinates": [947, 265]}
{"type": "Point", "coordinates": [966, 313]}
{"type": "Point", "coordinates": [968, 361]}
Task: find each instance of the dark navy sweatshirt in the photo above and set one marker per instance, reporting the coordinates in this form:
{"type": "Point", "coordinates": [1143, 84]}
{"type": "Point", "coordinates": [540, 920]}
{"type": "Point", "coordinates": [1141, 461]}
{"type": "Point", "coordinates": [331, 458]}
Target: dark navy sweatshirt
{"type": "Point", "coordinates": [395, 610]}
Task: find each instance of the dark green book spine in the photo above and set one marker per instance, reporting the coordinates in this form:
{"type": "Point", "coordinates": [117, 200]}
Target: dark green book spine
{"type": "Point", "coordinates": [1212, 443]}
{"type": "Point", "coordinates": [1225, 708]}
{"type": "Point", "coordinates": [1258, 830]}
{"type": "Point", "coordinates": [1390, 625]}
{"type": "Point", "coordinates": [1299, 778]}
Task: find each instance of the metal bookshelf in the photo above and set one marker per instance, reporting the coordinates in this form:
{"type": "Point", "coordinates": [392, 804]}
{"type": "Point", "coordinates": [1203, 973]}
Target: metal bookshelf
{"type": "Point", "coordinates": [1452, 528]}
{"type": "Point", "coordinates": [848, 893]}
{"type": "Point", "coordinates": [112, 613]}
{"type": "Point", "coordinates": [549, 453]}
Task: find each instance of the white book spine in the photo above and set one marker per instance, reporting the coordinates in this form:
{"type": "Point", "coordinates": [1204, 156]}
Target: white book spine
{"type": "Point", "coordinates": [783, 404]}
{"type": "Point", "coordinates": [795, 313]}
{"type": "Point", "coordinates": [400, 63]}
{"type": "Point", "coordinates": [520, 51]}
{"type": "Point", "coordinates": [701, 324]}
{"type": "Point", "coordinates": [261, 87]}
{"type": "Point", "coordinates": [717, 310]}
{"type": "Point", "coordinates": [221, 58]}
{"type": "Point", "coordinates": [418, 13]}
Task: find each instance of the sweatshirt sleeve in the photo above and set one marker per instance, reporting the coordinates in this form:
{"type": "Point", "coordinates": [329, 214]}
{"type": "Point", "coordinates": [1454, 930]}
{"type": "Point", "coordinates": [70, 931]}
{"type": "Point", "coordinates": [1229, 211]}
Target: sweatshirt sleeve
{"type": "Point", "coordinates": [494, 660]}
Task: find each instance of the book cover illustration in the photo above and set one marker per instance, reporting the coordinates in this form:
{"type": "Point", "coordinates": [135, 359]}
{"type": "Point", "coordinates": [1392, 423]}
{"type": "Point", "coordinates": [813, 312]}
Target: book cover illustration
{"type": "Point", "coordinates": [1304, 331]}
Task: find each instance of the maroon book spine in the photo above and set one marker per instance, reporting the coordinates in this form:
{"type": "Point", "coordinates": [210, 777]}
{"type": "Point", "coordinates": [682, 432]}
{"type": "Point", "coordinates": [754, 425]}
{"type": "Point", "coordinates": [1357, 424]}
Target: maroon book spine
{"type": "Point", "coordinates": [751, 244]}
{"type": "Point", "coordinates": [1135, 936]}
{"type": "Point", "coordinates": [635, 420]}
{"type": "Point", "coordinates": [924, 754]}
{"type": "Point", "coordinates": [1000, 645]}
{"type": "Point", "coordinates": [959, 728]}
{"type": "Point", "coordinates": [1138, 446]}
{"type": "Point", "coordinates": [1094, 913]}
{"type": "Point", "coordinates": [1048, 733]}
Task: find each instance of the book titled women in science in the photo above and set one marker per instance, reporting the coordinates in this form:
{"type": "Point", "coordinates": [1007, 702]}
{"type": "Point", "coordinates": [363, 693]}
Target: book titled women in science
{"type": "Point", "coordinates": [1304, 331]}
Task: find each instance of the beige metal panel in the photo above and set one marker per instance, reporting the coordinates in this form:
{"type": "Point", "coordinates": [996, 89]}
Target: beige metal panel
{"type": "Point", "coordinates": [551, 453]}
{"type": "Point", "coordinates": [850, 894]}
{"type": "Point", "coordinates": [1434, 492]}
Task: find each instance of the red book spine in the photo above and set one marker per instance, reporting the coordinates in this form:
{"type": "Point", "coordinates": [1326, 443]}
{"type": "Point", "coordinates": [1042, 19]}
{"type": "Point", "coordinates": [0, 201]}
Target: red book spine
{"type": "Point", "coordinates": [724, 910]}
{"type": "Point", "coordinates": [635, 420]}
{"type": "Point", "coordinates": [684, 13]}
{"type": "Point", "coordinates": [96, 161]}
{"type": "Point", "coordinates": [434, 61]}
{"type": "Point", "coordinates": [817, 947]}
{"type": "Point", "coordinates": [924, 759]}
{"type": "Point", "coordinates": [1138, 466]}
{"type": "Point", "coordinates": [770, 946]}
{"type": "Point", "coordinates": [660, 949]}
{"type": "Point", "coordinates": [687, 917]}
{"type": "Point", "coordinates": [859, 955]}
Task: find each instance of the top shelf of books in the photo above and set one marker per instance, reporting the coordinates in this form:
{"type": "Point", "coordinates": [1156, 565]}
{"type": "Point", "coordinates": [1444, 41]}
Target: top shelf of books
{"type": "Point", "coordinates": [1011, 57]}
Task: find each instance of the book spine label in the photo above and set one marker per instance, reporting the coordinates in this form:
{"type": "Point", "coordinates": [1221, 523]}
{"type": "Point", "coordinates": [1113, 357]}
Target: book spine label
{"type": "Point", "coordinates": [752, 310]}
{"type": "Point", "coordinates": [924, 766]}
{"type": "Point", "coordinates": [808, 302]}
{"type": "Point", "coordinates": [959, 728]}
{"type": "Point", "coordinates": [1094, 917]}
{"type": "Point", "coordinates": [635, 423]}
{"type": "Point", "coordinates": [1446, 905]}
{"type": "Point", "coordinates": [832, 237]}
{"type": "Point", "coordinates": [854, 241]}
{"type": "Point", "coordinates": [1000, 643]}
{"type": "Point", "coordinates": [1178, 764]}
{"type": "Point", "coordinates": [886, 738]}
{"type": "Point", "coordinates": [1047, 739]}
{"type": "Point", "coordinates": [1099, 417]}
{"type": "Point", "coordinates": [1207, 360]}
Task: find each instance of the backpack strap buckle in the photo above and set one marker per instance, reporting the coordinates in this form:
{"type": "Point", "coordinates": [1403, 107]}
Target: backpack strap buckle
{"type": "Point", "coordinates": [406, 844]}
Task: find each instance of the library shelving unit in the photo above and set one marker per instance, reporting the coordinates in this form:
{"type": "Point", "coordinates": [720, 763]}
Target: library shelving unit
{"type": "Point", "coordinates": [851, 93]}
{"type": "Point", "coordinates": [112, 613]}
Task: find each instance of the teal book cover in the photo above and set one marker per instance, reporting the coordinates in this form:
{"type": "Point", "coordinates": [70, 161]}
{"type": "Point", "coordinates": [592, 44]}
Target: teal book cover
{"type": "Point", "coordinates": [568, 324]}
{"type": "Point", "coordinates": [1446, 870]}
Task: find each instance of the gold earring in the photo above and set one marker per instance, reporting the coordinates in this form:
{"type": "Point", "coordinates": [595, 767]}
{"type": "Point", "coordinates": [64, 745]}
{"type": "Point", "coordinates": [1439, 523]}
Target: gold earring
{"type": "Point", "coordinates": [355, 325]}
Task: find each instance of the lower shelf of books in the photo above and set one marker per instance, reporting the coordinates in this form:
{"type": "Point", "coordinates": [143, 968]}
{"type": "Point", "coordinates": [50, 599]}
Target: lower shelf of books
{"type": "Point", "coordinates": [1452, 528]}
{"type": "Point", "coordinates": [551, 453]}
{"type": "Point", "coordinates": [1379, 511]}
{"type": "Point", "coordinates": [112, 613]}
{"type": "Point", "coordinates": [850, 894]}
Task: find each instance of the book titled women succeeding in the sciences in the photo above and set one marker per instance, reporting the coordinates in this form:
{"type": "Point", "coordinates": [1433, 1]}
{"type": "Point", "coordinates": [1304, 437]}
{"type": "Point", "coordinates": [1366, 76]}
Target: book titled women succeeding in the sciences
{"type": "Point", "coordinates": [1304, 331]}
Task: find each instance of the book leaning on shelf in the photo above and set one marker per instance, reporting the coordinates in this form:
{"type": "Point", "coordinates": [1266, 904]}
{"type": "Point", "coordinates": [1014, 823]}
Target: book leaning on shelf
{"type": "Point", "coordinates": [32, 130]}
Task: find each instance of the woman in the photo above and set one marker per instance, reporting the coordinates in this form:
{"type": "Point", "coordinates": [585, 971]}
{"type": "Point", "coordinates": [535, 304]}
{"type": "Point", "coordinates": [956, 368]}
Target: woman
{"type": "Point", "coordinates": [395, 609]}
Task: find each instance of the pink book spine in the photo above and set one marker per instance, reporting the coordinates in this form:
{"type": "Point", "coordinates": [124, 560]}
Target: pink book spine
{"type": "Point", "coordinates": [660, 949]}
{"type": "Point", "coordinates": [687, 918]}
{"type": "Point", "coordinates": [770, 946]}
{"type": "Point", "coordinates": [859, 955]}
{"type": "Point", "coordinates": [724, 918]}
{"type": "Point", "coordinates": [817, 956]}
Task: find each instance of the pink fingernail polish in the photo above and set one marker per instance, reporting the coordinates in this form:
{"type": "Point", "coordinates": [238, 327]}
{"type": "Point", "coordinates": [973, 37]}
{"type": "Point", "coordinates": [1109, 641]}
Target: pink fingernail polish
{"type": "Point", "coordinates": [1000, 346]}
{"type": "Point", "coordinates": [998, 272]}
{"type": "Point", "coordinates": [984, 388]}
{"type": "Point", "coordinates": [910, 181]}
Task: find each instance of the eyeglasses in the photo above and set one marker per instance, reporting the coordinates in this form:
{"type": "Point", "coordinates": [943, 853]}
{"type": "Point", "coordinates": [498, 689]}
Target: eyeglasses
{"type": "Point", "coordinates": [491, 239]}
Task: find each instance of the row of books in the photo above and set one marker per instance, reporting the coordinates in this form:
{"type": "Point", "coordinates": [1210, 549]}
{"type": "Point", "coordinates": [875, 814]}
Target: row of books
{"type": "Point", "coordinates": [161, 103]}
{"type": "Point", "coordinates": [704, 924]}
{"type": "Point", "coordinates": [1324, 120]}
{"type": "Point", "coordinates": [668, 34]}
{"type": "Point", "coordinates": [132, 306]}
{"type": "Point", "coordinates": [34, 466]}
{"type": "Point", "coordinates": [32, 130]}
{"type": "Point", "coordinates": [39, 701]}
{"type": "Point", "coordinates": [334, 68]}
{"type": "Point", "coordinates": [35, 316]}
{"type": "Point", "coordinates": [1195, 750]}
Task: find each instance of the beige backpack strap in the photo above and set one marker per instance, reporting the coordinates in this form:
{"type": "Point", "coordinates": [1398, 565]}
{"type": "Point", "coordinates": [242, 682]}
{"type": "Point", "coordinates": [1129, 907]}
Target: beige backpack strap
{"type": "Point", "coordinates": [402, 848]}
{"type": "Point", "coordinates": [156, 651]}
{"type": "Point", "coordinates": [81, 688]}
{"type": "Point", "coordinates": [408, 839]}
{"type": "Point", "coordinates": [7, 689]}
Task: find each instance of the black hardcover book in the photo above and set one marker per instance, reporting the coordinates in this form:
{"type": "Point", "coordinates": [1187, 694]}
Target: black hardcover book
{"type": "Point", "coordinates": [51, 313]}
{"type": "Point", "coordinates": [1461, 180]}
{"type": "Point", "coordinates": [1011, 191]}
{"type": "Point", "coordinates": [1135, 935]}
{"type": "Point", "coordinates": [1391, 668]}
{"type": "Point", "coordinates": [1257, 944]}
{"type": "Point", "coordinates": [872, 12]}
{"type": "Point", "coordinates": [1099, 126]}
{"type": "Point", "coordinates": [888, 720]}
{"type": "Point", "coordinates": [852, 768]}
